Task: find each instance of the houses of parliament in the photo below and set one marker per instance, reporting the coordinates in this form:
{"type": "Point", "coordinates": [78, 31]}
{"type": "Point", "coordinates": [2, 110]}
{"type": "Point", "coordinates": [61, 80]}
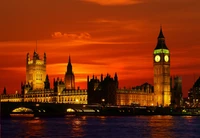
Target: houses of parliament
{"type": "Point", "coordinates": [99, 90]}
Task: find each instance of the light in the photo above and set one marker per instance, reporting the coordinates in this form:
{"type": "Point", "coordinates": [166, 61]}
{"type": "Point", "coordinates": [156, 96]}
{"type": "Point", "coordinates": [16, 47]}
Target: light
{"type": "Point", "coordinates": [37, 105]}
{"type": "Point", "coordinates": [152, 104]}
{"type": "Point", "coordinates": [70, 110]}
{"type": "Point", "coordinates": [158, 51]}
{"type": "Point", "coordinates": [88, 110]}
{"type": "Point", "coordinates": [103, 100]}
{"type": "Point", "coordinates": [76, 100]}
{"type": "Point", "coordinates": [22, 109]}
{"type": "Point", "coordinates": [184, 111]}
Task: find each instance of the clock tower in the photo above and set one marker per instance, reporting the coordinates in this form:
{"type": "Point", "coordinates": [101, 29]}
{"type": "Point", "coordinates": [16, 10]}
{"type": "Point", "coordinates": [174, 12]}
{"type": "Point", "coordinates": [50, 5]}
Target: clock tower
{"type": "Point", "coordinates": [161, 65]}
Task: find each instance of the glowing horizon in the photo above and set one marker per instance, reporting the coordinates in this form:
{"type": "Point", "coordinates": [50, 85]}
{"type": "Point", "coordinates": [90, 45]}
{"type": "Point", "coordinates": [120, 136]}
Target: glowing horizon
{"type": "Point", "coordinates": [101, 36]}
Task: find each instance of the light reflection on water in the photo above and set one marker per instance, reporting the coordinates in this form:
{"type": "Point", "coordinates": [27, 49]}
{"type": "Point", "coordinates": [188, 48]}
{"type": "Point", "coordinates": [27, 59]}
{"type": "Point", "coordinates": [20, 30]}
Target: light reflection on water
{"type": "Point", "coordinates": [87, 126]}
{"type": "Point", "coordinates": [76, 129]}
{"type": "Point", "coordinates": [160, 126]}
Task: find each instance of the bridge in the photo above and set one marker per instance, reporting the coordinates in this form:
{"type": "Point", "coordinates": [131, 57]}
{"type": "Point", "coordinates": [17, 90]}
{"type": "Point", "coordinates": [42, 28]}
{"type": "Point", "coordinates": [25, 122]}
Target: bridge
{"type": "Point", "coordinates": [37, 109]}
{"type": "Point", "coordinates": [46, 109]}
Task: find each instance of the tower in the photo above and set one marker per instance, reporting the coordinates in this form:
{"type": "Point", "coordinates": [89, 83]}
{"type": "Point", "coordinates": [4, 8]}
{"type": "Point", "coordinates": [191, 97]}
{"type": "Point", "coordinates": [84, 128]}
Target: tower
{"type": "Point", "coordinates": [176, 90]}
{"type": "Point", "coordinates": [161, 65]}
{"type": "Point", "coordinates": [47, 83]}
{"type": "Point", "coordinates": [69, 76]}
{"type": "Point", "coordinates": [103, 90]}
{"type": "Point", "coordinates": [35, 71]}
{"type": "Point", "coordinates": [116, 80]}
{"type": "Point", "coordinates": [4, 90]}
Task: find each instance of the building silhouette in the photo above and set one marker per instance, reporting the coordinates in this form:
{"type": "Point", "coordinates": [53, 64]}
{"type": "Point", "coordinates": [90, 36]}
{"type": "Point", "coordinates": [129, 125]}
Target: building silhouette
{"type": "Point", "coordinates": [47, 83]}
{"type": "Point", "coordinates": [69, 76]}
{"type": "Point", "coordinates": [161, 65]}
{"type": "Point", "coordinates": [194, 94]}
{"type": "Point", "coordinates": [4, 91]}
{"type": "Point", "coordinates": [146, 94]}
{"type": "Point", "coordinates": [37, 86]}
{"type": "Point", "coordinates": [103, 90]}
{"type": "Point", "coordinates": [176, 91]}
{"type": "Point", "coordinates": [58, 85]}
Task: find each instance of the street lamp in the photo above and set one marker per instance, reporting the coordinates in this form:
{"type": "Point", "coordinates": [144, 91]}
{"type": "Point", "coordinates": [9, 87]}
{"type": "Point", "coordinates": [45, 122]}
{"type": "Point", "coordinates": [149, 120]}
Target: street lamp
{"type": "Point", "coordinates": [103, 102]}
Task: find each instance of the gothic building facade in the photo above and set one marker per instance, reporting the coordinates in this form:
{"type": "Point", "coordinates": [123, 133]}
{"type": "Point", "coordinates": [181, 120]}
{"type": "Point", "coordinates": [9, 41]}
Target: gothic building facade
{"type": "Point", "coordinates": [35, 71]}
{"type": "Point", "coordinates": [142, 95]}
{"type": "Point", "coordinates": [106, 91]}
{"type": "Point", "coordinates": [161, 67]}
{"type": "Point", "coordinates": [103, 90]}
{"type": "Point", "coordinates": [37, 86]}
{"type": "Point", "coordinates": [146, 94]}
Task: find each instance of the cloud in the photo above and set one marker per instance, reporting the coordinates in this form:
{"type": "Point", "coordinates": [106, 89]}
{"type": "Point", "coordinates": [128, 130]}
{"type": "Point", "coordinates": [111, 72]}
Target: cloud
{"type": "Point", "coordinates": [114, 26]}
{"type": "Point", "coordinates": [21, 69]}
{"type": "Point", "coordinates": [105, 21]}
{"type": "Point", "coordinates": [71, 36]}
{"type": "Point", "coordinates": [114, 2]}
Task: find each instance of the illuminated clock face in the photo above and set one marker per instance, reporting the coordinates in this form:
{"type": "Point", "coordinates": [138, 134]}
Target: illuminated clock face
{"type": "Point", "coordinates": [157, 58]}
{"type": "Point", "coordinates": [166, 58]}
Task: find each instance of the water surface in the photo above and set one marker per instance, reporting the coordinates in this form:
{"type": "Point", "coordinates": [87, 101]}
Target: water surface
{"type": "Point", "coordinates": [102, 127]}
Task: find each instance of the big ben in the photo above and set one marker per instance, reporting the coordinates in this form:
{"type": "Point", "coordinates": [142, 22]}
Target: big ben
{"type": "Point", "coordinates": [161, 64]}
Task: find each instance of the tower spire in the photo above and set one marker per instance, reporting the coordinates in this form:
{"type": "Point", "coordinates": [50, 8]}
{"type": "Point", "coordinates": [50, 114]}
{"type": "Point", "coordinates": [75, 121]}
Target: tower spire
{"type": "Point", "coordinates": [161, 41]}
{"type": "Point", "coordinates": [161, 33]}
{"type": "Point", "coordinates": [69, 61]}
{"type": "Point", "coordinates": [69, 76]}
{"type": "Point", "coordinates": [69, 66]}
{"type": "Point", "coordinates": [36, 46]}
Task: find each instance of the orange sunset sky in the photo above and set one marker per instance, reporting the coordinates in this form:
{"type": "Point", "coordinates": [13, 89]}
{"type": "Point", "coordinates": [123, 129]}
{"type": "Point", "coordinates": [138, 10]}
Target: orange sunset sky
{"type": "Point", "coordinates": [101, 36]}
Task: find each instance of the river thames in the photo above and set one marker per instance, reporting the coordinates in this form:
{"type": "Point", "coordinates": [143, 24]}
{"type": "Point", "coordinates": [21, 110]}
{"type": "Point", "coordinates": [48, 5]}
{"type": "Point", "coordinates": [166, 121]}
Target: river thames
{"type": "Point", "coordinates": [102, 127]}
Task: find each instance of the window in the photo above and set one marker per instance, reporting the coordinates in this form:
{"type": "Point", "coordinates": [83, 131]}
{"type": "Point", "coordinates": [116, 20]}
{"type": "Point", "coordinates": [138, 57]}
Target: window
{"type": "Point", "coordinates": [38, 76]}
{"type": "Point", "coordinates": [30, 76]}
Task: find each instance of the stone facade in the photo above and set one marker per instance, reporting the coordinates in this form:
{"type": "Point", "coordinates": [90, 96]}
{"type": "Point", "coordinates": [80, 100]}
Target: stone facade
{"type": "Point", "coordinates": [35, 71]}
{"type": "Point", "coordinates": [161, 65]}
{"type": "Point", "coordinates": [103, 90]}
{"type": "Point", "coordinates": [37, 85]}
{"type": "Point", "coordinates": [140, 95]}
{"type": "Point", "coordinates": [49, 96]}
